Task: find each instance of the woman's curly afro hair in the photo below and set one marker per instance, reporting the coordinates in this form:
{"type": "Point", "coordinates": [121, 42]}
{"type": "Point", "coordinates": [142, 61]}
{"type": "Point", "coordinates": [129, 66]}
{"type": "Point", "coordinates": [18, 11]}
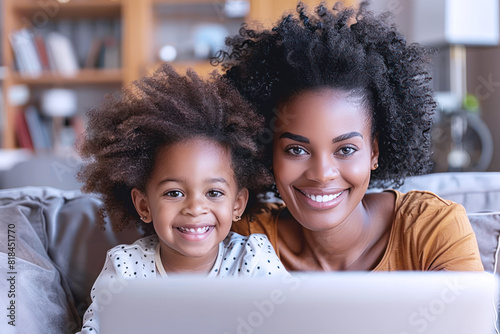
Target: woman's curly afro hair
{"type": "Point", "coordinates": [346, 49]}
{"type": "Point", "coordinates": [125, 132]}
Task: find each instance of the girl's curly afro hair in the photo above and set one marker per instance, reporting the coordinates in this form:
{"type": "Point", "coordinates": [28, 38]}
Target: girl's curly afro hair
{"type": "Point", "coordinates": [346, 49]}
{"type": "Point", "coordinates": [125, 132]}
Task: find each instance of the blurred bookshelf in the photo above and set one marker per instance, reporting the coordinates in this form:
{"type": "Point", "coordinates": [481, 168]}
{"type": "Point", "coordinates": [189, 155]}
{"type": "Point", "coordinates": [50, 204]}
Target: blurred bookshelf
{"type": "Point", "coordinates": [65, 45]}
{"type": "Point", "coordinates": [100, 46]}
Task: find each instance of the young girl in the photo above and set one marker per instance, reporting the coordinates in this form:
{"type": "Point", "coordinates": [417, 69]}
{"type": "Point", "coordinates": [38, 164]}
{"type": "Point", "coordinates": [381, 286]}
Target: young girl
{"type": "Point", "coordinates": [180, 154]}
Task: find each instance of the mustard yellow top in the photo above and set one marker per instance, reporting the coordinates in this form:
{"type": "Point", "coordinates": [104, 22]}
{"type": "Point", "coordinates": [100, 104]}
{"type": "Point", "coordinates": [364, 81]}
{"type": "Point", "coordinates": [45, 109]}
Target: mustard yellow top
{"type": "Point", "coordinates": [428, 233]}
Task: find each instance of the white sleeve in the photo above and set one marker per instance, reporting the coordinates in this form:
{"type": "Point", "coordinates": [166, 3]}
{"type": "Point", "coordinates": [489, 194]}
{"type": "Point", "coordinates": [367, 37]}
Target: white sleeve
{"type": "Point", "coordinates": [261, 258]}
{"type": "Point", "coordinates": [123, 262]}
{"type": "Point", "coordinates": [112, 279]}
{"type": "Point", "coordinates": [106, 277]}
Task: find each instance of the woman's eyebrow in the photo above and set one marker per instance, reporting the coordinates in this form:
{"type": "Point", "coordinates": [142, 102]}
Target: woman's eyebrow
{"type": "Point", "coordinates": [346, 136]}
{"type": "Point", "coordinates": [295, 137]}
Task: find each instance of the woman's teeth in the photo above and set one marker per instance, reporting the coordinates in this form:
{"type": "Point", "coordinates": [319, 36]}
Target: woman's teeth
{"type": "Point", "coordinates": [323, 198]}
{"type": "Point", "coordinates": [194, 230]}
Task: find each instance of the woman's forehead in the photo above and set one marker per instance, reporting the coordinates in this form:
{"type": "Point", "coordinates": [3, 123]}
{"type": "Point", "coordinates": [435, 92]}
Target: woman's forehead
{"type": "Point", "coordinates": [353, 102]}
{"type": "Point", "coordinates": [322, 112]}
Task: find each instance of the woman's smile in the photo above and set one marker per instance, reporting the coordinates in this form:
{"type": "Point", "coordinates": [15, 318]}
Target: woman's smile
{"type": "Point", "coordinates": [321, 199]}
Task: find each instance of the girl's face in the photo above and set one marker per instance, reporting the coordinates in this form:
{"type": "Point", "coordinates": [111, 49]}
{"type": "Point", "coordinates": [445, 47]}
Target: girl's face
{"type": "Point", "coordinates": [323, 155]}
{"type": "Point", "coordinates": [191, 197]}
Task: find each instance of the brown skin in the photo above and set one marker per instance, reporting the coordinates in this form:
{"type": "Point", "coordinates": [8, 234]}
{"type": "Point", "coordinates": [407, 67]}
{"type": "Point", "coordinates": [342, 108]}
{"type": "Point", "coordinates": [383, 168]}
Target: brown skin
{"type": "Point", "coordinates": [192, 186]}
{"type": "Point", "coordinates": [323, 147]}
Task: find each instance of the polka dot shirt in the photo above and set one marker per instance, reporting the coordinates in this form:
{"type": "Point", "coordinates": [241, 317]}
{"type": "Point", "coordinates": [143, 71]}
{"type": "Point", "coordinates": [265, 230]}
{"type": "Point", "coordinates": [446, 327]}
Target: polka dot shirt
{"type": "Point", "coordinates": [238, 256]}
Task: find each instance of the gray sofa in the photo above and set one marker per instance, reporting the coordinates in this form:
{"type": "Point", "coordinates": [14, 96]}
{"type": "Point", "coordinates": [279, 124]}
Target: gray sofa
{"type": "Point", "coordinates": [59, 250]}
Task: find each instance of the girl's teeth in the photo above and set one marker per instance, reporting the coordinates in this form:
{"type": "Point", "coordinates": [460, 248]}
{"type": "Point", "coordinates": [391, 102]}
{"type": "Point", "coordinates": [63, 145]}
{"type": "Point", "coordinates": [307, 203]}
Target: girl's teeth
{"type": "Point", "coordinates": [194, 230]}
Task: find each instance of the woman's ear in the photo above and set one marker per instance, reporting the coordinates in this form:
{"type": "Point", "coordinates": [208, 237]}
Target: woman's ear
{"type": "Point", "coordinates": [240, 204]}
{"type": "Point", "coordinates": [141, 204]}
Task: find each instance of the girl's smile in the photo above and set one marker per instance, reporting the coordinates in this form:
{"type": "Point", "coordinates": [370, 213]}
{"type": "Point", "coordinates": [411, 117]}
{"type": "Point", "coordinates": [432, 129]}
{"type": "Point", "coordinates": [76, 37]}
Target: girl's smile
{"type": "Point", "coordinates": [195, 232]}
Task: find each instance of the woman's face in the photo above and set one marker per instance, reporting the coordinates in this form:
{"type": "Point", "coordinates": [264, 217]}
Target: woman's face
{"type": "Point", "coordinates": [323, 155]}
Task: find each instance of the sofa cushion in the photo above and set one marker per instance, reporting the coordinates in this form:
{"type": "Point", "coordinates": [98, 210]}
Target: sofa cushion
{"type": "Point", "coordinates": [476, 191]}
{"type": "Point", "coordinates": [38, 283]}
{"type": "Point", "coordinates": [60, 249]}
{"type": "Point", "coordinates": [486, 225]}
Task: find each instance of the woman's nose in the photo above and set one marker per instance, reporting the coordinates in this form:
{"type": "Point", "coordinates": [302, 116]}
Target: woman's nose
{"type": "Point", "coordinates": [322, 169]}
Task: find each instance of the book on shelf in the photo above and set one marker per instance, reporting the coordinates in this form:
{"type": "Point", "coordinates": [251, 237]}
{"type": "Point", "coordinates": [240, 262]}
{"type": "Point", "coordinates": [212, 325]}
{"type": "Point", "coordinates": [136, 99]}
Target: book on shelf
{"type": "Point", "coordinates": [83, 36]}
{"type": "Point", "coordinates": [42, 52]}
{"type": "Point", "coordinates": [65, 47]}
{"type": "Point", "coordinates": [92, 59]}
{"type": "Point", "coordinates": [32, 131]}
{"type": "Point", "coordinates": [111, 53]}
{"type": "Point", "coordinates": [22, 131]}
{"type": "Point", "coordinates": [39, 129]}
{"type": "Point", "coordinates": [25, 52]}
{"type": "Point", "coordinates": [42, 134]}
{"type": "Point", "coordinates": [61, 50]}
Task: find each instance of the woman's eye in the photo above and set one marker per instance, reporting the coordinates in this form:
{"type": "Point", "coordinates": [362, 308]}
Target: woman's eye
{"type": "Point", "coordinates": [174, 193]}
{"type": "Point", "coordinates": [295, 150]}
{"type": "Point", "coordinates": [347, 150]}
{"type": "Point", "coordinates": [214, 193]}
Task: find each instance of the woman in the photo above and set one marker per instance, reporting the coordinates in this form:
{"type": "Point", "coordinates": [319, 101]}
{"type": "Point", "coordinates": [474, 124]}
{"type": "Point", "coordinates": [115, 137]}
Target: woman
{"type": "Point", "coordinates": [348, 106]}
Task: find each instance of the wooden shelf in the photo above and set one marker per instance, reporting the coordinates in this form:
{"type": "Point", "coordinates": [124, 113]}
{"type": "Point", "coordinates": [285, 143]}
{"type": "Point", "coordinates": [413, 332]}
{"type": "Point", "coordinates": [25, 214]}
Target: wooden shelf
{"type": "Point", "coordinates": [182, 2]}
{"type": "Point", "coordinates": [84, 76]}
{"type": "Point", "coordinates": [71, 9]}
{"type": "Point", "coordinates": [137, 23]}
{"type": "Point", "coordinates": [202, 67]}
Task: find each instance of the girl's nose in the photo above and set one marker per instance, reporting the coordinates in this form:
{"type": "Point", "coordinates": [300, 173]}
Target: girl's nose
{"type": "Point", "coordinates": [195, 205]}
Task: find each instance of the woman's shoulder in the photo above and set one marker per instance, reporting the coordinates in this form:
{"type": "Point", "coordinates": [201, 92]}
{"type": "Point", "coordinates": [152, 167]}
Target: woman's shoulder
{"type": "Point", "coordinates": [260, 219]}
{"type": "Point", "coordinates": [422, 201]}
{"type": "Point", "coordinates": [420, 209]}
{"type": "Point", "coordinates": [431, 233]}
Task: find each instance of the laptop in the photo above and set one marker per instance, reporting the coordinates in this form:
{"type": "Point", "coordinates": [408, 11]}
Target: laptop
{"type": "Point", "coordinates": [345, 302]}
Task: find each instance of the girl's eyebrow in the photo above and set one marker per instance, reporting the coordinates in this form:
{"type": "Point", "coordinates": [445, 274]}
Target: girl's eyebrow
{"type": "Point", "coordinates": [217, 180]}
{"type": "Point", "coordinates": [346, 136]}
{"type": "Point", "coordinates": [169, 180]}
{"type": "Point", "coordinates": [207, 180]}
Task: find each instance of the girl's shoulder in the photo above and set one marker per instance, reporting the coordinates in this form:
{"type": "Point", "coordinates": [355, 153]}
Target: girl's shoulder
{"type": "Point", "coordinates": [253, 243]}
{"type": "Point", "coordinates": [136, 260]}
{"type": "Point", "coordinates": [251, 255]}
{"type": "Point", "coordinates": [144, 245]}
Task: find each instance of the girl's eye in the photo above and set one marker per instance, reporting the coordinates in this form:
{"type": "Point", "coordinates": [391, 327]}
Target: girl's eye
{"type": "Point", "coordinates": [295, 150]}
{"type": "Point", "coordinates": [345, 151]}
{"type": "Point", "coordinates": [214, 193]}
{"type": "Point", "coordinates": [174, 193]}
